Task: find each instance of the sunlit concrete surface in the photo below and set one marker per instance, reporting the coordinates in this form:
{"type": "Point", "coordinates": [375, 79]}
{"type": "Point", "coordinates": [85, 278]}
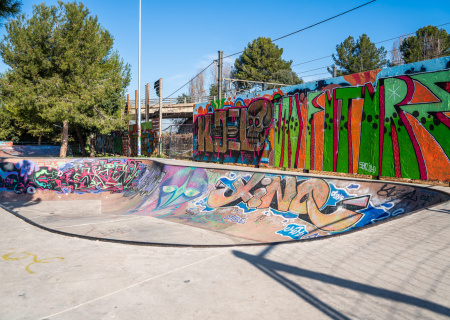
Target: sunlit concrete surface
{"type": "Point", "coordinates": [395, 270]}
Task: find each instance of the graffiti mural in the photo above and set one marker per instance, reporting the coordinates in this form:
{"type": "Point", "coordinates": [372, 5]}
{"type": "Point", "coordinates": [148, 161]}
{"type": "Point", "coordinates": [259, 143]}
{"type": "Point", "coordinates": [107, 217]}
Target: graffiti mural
{"type": "Point", "coordinates": [236, 134]}
{"type": "Point", "coordinates": [125, 143]}
{"type": "Point", "coordinates": [261, 207]}
{"type": "Point", "coordinates": [74, 176]}
{"type": "Point", "coordinates": [148, 139]}
{"type": "Point", "coordinates": [389, 122]}
{"type": "Point", "coordinates": [4, 144]}
{"type": "Point", "coordinates": [278, 207]}
{"type": "Point", "coordinates": [109, 143]}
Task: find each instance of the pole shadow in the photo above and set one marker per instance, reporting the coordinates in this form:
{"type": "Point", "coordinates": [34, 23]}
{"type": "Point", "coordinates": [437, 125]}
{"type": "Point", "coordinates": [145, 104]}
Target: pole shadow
{"type": "Point", "coordinates": [273, 269]}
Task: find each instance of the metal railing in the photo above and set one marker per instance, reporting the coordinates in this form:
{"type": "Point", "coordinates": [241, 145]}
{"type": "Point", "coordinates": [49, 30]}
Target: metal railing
{"type": "Point", "coordinates": [175, 101]}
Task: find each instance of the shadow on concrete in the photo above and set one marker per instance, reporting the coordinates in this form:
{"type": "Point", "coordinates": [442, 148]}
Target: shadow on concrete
{"type": "Point", "coordinates": [12, 204]}
{"type": "Point", "coordinates": [439, 210]}
{"type": "Point", "coordinates": [273, 269]}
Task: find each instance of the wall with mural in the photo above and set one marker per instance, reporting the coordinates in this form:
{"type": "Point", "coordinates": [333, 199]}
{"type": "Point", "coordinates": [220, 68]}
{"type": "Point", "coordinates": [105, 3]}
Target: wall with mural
{"type": "Point", "coordinates": [148, 139]}
{"type": "Point", "coordinates": [391, 122]}
{"type": "Point", "coordinates": [125, 143]}
{"type": "Point", "coordinates": [68, 176]}
{"type": "Point", "coordinates": [256, 206]}
{"type": "Point", "coordinates": [5, 144]}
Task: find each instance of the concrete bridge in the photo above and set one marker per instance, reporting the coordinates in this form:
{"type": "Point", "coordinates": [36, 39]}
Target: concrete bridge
{"type": "Point", "coordinates": [171, 107]}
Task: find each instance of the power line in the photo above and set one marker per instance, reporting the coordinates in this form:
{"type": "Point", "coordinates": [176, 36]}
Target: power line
{"type": "Point", "coordinates": [190, 80]}
{"type": "Point", "coordinates": [311, 61]}
{"type": "Point", "coordinates": [290, 34]}
{"type": "Point", "coordinates": [310, 75]}
{"type": "Point", "coordinates": [313, 25]}
{"type": "Point", "coordinates": [311, 70]}
{"type": "Point", "coordinates": [408, 34]}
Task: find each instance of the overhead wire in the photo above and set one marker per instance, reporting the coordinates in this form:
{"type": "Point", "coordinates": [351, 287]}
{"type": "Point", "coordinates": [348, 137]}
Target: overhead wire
{"type": "Point", "coordinates": [279, 38]}
{"type": "Point", "coordinates": [403, 35]}
{"type": "Point", "coordinates": [313, 25]}
{"type": "Point", "coordinates": [292, 33]}
{"type": "Point", "coordinates": [190, 80]}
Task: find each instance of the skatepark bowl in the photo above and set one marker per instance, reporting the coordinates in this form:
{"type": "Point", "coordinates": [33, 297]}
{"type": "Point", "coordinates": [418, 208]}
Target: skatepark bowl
{"type": "Point", "coordinates": [142, 201]}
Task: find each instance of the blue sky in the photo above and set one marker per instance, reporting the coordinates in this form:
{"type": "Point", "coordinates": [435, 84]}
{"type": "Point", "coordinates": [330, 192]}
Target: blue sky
{"type": "Point", "coordinates": [179, 38]}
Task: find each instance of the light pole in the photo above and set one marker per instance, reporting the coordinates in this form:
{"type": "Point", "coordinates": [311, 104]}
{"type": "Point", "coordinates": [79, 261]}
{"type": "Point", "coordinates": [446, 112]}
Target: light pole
{"type": "Point", "coordinates": [139, 89]}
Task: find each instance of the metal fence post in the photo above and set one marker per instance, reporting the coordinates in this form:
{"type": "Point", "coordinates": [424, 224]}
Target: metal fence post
{"type": "Point", "coordinates": [170, 143]}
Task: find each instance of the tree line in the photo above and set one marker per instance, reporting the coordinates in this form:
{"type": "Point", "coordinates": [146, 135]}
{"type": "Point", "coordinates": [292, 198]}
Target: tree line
{"type": "Point", "coordinates": [64, 77]}
{"type": "Point", "coordinates": [262, 60]}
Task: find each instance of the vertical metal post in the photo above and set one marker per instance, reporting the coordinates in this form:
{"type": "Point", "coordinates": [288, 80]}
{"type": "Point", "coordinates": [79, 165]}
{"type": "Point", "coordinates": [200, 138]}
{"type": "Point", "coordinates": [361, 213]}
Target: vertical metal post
{"type": "Point", "coordinates": [160, 116]}
{"type": "Point", "coordinates": [220, 77]}
{"type": "Point", "coordinates": [170, 143]}
{"type": "Point", "coordinates": [136, 107]}
{"type": "Point", "coordinates": [334, 72]}
{"type": "Point", "coordinates": [147, 102]}
{"type": "Point", "coordinates": [138, 99]}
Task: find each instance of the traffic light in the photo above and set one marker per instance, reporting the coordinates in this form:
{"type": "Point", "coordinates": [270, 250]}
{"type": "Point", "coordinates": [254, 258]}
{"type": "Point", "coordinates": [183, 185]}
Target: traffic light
{"type": "Point", "coordinates": [158, 85]}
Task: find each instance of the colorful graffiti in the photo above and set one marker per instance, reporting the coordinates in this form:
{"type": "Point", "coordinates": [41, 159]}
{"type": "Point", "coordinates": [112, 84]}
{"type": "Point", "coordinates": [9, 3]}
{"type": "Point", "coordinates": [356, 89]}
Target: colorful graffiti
{"type": "Point", "coordinates": [389, 122]}
{"type": "Point", "coordinates": [110, 143]}
{"type": "Point", "coordinates": [74, 176]}
{"type": "Point", "coordinates": [125, 143]}
{"type": "Point", "coordinates": [283, 207]}
{"type": "Point", "coordinates": [263, 207]}
{"type": "Point", "coordinates": [234, 134]}
{"type": "Point", "coordinates": [4, 144]}
{"type": "Point", "coordinates": [148, 139]}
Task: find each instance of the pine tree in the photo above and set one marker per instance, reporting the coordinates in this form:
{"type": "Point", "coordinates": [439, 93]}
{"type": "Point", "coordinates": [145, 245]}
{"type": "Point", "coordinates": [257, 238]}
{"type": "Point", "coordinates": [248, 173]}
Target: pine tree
{"type": "Point", "coordinates": [260, 61]}
{"type": "Point", "coordinates": [62, 70]}
{"type": "Point", "coordinates": [359, 56]}
{"type": "Point", "coordinates": [428, 43]}
{"type": "Point", "coordinates": [8, 8]}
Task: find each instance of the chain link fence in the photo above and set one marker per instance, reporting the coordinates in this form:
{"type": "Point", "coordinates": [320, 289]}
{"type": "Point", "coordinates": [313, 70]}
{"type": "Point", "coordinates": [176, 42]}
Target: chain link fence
{"type": "Point", "coordinates": [177, 141]}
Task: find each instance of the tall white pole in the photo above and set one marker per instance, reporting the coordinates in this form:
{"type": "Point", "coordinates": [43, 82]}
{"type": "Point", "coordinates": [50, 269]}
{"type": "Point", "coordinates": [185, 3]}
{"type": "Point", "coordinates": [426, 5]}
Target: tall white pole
{"type": "Point", "coordinates": [139, 88]}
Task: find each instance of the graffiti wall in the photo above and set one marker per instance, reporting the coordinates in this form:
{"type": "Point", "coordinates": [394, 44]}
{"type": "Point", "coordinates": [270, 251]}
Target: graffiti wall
{"type": "Point", "coordinates": [257, 206]}
{"type": "Point", "coordinates": [30, 151]}
{"type": "Point", "coordinates": [148, 139]}
{"type": "Point", "coordinates": [69, 176]}
{"type": "Point", "coordinates": [125, 143]}
{"type": "Point", "coordinates": [391, 122]}
{"type": "Point", "coordinates": [4, 144]}
{"type": "Point", "coordinates": [271, 207]}
{"type": "Point", "coordinates": [110, 143]}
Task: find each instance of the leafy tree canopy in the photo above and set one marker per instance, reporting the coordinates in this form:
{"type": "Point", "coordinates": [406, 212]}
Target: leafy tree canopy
{"type": "Point", "coordinates": [9, 8]}
{"type": "Point", "coordinates": [362, 55]}
{"type": "Point", "coordinates": [183, 98]}
{"type": "Point", "coordinates": [63, 70]}
{"type": "Point", "coordinates": [429, 42]}
{"type": "Point", "coordinates": [260, 61]}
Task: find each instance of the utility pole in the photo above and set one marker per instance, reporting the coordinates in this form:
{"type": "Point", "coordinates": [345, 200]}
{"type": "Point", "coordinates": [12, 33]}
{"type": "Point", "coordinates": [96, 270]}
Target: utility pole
{"type": "Point", "coordinates": [147, 101]}
{"type": "Point", "coordinates": [138, 102]}
{"type": "Point", "coordinates": [128, 104]}
{"type": "Point", "coordinates": [334, 72]}
{"type": "Point", "coordinates": [160, 116]}
{"type": "Point", "coordinates": [220, 77]}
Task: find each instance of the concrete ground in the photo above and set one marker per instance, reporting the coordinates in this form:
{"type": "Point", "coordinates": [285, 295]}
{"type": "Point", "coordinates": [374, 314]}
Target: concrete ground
{"type": "Point", "coordinates": [395, 270]}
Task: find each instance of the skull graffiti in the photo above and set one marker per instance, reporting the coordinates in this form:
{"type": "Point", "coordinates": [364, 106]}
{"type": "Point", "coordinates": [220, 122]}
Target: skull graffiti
{"type": "Point", "coordinates": [259, 118]}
